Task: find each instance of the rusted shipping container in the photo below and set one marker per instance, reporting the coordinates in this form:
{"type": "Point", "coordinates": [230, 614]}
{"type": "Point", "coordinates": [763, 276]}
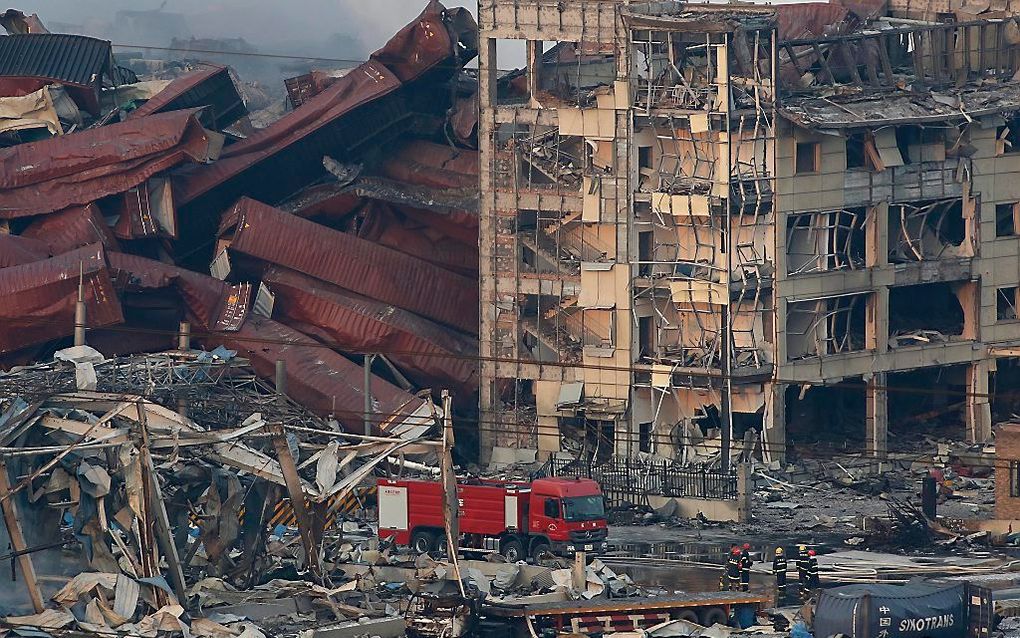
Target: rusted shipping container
{"type": "Point", "coordinates": [377, 272]}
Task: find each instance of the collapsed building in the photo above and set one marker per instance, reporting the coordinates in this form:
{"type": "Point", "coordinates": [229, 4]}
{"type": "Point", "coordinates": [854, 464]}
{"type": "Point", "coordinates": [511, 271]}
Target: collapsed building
{"type": "Point", "coordinates": [779, 222]}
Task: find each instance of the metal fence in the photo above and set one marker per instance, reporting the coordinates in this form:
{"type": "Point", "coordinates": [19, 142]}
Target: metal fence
{"type": "Point", "coordinates": [634, 480]}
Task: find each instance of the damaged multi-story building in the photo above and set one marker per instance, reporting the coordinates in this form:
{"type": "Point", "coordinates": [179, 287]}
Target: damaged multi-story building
{"type": "Point", "coordinates": [790, 221]}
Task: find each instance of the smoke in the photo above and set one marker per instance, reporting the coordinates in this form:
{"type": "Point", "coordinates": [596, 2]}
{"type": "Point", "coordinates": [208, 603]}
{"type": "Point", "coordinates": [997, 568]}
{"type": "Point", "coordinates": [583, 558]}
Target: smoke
{"type": "Point", "coordinates": [265, 24]}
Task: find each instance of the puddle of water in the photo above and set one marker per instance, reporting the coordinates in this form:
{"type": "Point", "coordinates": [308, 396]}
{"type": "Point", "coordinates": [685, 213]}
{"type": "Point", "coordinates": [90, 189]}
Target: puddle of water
{"type": "Point", "coordinates": [702, 552]}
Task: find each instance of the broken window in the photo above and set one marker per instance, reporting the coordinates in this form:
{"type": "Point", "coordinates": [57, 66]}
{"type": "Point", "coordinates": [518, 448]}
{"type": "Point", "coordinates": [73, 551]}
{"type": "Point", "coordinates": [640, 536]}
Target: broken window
{"type": "Point", "coordinates": [674, 69]}
{"type": "Point", "coordinates": [646, 252]}
{"type": "Point", "coordinates": [646, 336]}
{"type": "Point", "coordinates": [644, 157]}
{"type": "Point", "coordinates": [511, 77]}
{"type": "Point", "coordinates": [1006, 219]}
{"type": "Point", "coordinates": [826, 326]}
{"type": "Point", "coordinates": [856, 156]}
{"type": "Point", "coordinates": [826, 240]}
{"type": "Point", "coordinates": [570, 71]}
{"type": "Point", "coordinates": [808, 157]}
{"type": "Point", "coordinates": [926, 230]}
{"type": "Point", "coordinates": [1005, 304]}
{"type": "Point", "coordinates": [927, 313]}
{"type": "Point", "coordinates": [921, 144]}
{"type": "Point", "coordinates": [645, 437]}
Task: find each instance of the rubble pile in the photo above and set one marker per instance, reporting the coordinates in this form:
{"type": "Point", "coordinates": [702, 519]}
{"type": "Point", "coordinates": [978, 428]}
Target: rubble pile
{"type": "Point", "coordinates": [166, 512]}
{"type": "Point", "coordinates": [213, 335]}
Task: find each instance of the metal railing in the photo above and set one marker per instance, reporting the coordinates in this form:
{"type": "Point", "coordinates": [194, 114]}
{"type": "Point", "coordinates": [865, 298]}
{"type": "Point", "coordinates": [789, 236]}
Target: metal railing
{"type": "Point", "coordinates": [633, 480]}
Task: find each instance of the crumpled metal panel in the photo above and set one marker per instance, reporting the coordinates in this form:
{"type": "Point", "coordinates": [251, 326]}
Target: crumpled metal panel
{"type": "Point", "coordinates": [303, 87]}
{"type": "Point", "coordinates": [72, 228]}
{"type": "Point", "coordinates": [211, 303]}
{"type": "Point", "coordinates": [431, 354]}
{"type": "Point", "coordinates": [387, 225]}
{"type": "Point", "coordinates": [39, 297]}
{"type": "Point", "coordinates": [318, 378]}
{"type": "Point", "coordinates": [808, 19]}
{"type": "Point", "coordinates": [295, 131]}
{"type": "Point", "coordinates": [17, 249]}
{"type": "Point", "coordinates": [419, 46]}
{"type": "Point", "coordinates": [360, 266]}
{"type": "Point", "coordinates": [210, 87]}
{"type": "Point", "coordinates": [14, 22]}
{"type": "Point", "coordinates": [433, 165]}
{"type": "Point", "coordinates": [74, 170]}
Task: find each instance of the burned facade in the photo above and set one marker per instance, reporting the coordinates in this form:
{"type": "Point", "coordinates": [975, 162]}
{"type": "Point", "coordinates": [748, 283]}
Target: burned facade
{"type": "Point", "coordinates": [703, 218]}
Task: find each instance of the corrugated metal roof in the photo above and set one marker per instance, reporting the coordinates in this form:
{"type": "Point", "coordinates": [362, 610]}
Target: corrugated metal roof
{"type": "Point", "coordinates": [357, 265]}
{"type": "Point", "coordinates": [71, 59]}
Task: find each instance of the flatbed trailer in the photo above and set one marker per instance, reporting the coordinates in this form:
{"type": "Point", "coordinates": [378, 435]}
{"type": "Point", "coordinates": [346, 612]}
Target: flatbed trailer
{"type": "Point", "coordinates": [604, 615]}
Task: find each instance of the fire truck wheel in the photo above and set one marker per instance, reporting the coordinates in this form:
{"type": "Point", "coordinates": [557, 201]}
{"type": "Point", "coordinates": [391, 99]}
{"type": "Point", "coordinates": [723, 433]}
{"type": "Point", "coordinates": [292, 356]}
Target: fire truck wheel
{"type": "Point", "coordinates": [423, 542]}
{"type": "Point", "coordinates": [538, 549]}
{"type": "Point", "coordinates": [687, 614]}
{"type": "Point", "coordinates": [713, 616]}
{"type": "Point", "coordinates": [512, 550]}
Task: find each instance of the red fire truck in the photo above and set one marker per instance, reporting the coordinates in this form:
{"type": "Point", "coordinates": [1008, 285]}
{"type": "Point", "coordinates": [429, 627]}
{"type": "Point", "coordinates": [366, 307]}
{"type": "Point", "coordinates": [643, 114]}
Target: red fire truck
{"type": "Point", "coordinates": [558, 515]}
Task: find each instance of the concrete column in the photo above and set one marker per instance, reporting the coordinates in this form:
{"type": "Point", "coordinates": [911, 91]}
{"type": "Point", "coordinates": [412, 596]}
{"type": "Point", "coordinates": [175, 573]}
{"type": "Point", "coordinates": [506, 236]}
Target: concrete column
{"type": "Point", "coordinates": [774, 422]}
{"type": "Point", "coordinates": [877, 416]}
{"type": "Point", "coordinates": [488, 399]}
{"type": "Point", "coordinates": [745, 488]}
{"type": "Point", "coordinates": [979, 409]}
{"type": "Point", "coordinates": [534, 62]}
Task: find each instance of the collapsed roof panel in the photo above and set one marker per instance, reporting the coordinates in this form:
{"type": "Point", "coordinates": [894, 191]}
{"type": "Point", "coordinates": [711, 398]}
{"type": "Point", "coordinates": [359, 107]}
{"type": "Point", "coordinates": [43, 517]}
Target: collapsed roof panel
{"type": "Point", "coordinates": [953, 105]}
{"type": "Point", "coordinates": [321, 380]}
{"type": "Point", "coordinates": [381, 273]}
{"type": "Point", "coordinates": [210, 87]}
{"type": "Point", "coordinates": [75, 170]}
{"type": "Point", "coordinates": [430, 353]}
{"type": "Point", "coordinates": [39, 297]}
